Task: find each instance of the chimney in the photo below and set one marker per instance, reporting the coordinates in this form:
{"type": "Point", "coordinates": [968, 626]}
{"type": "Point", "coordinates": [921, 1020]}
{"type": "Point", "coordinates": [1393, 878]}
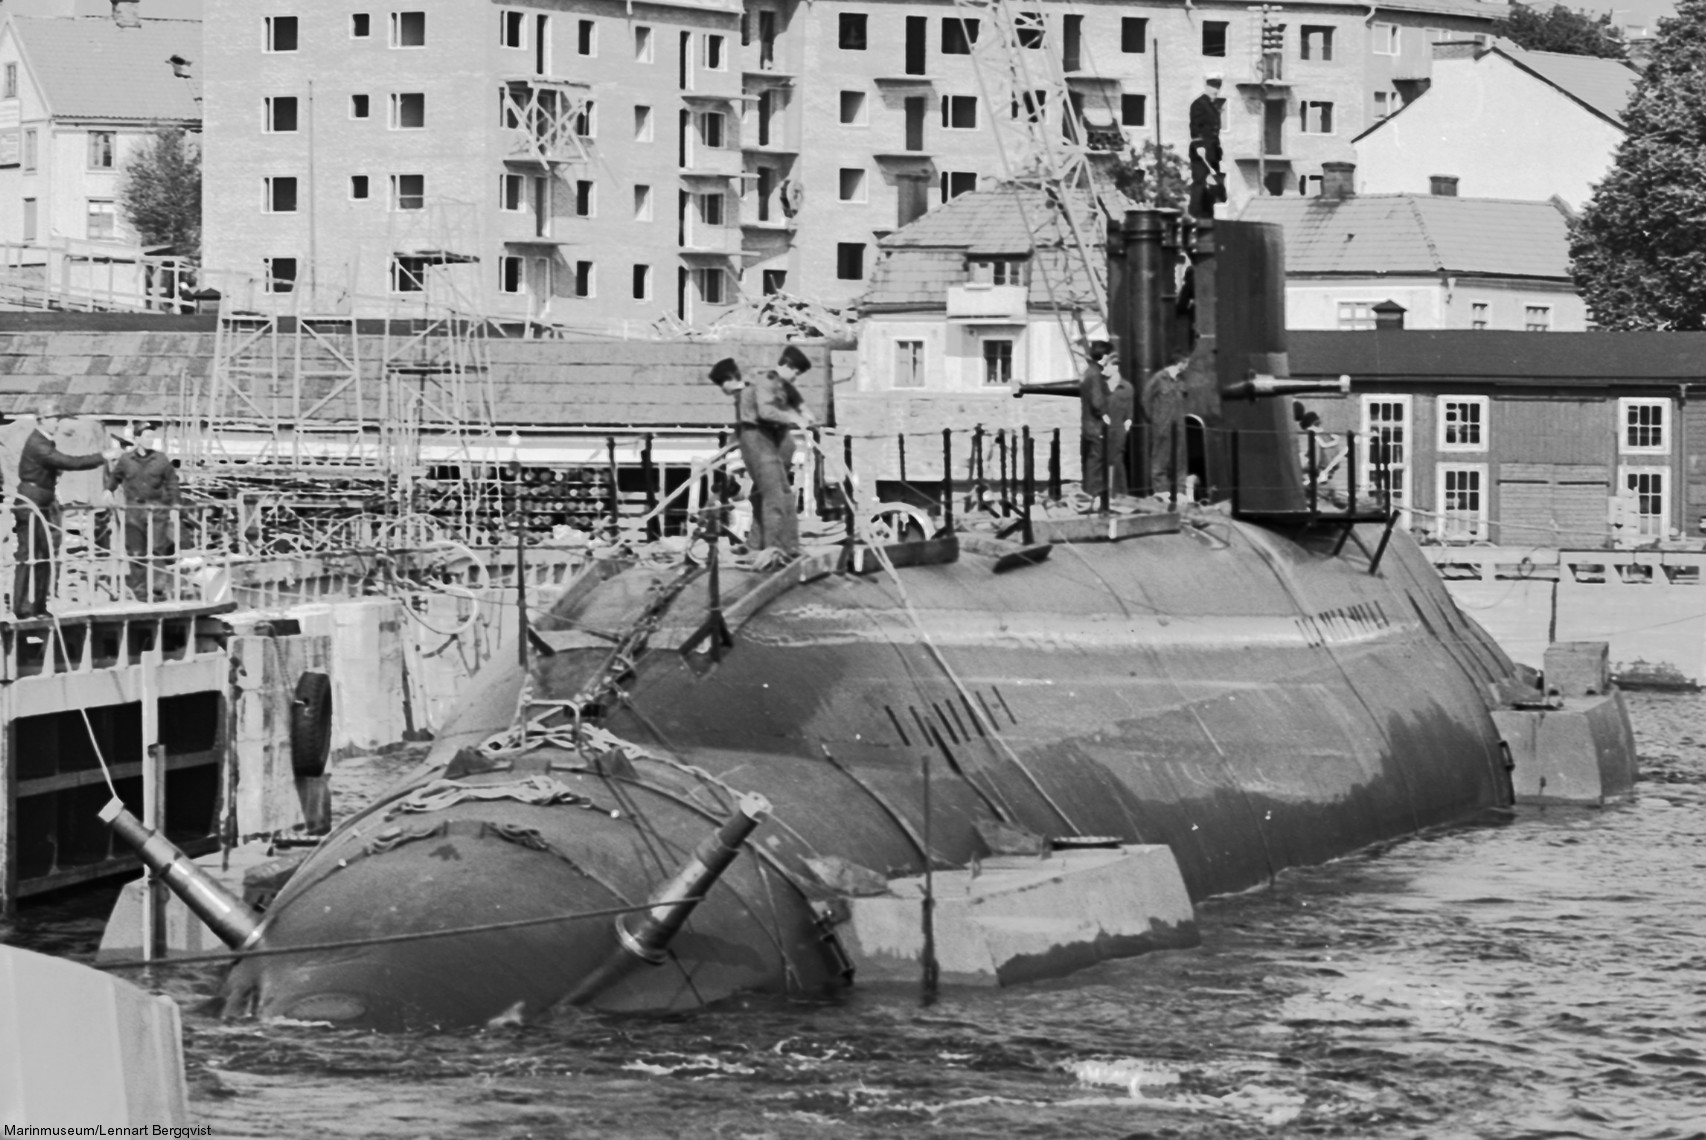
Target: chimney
{"type": "Point", "coordinates": [180, 66]}
{"type": "Point", "coordinates": [124, 14]}
{"type": "Point", "coordinates": [1388, 315]}
{"type": "Point", "coordinates": [1442, 185]}
{"type": "Point", "coordinates": [1338, 180]}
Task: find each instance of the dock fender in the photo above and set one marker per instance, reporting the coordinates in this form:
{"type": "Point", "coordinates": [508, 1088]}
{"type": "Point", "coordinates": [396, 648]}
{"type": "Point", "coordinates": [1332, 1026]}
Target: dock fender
{"type": "Point", "coordinates": [311, 724]}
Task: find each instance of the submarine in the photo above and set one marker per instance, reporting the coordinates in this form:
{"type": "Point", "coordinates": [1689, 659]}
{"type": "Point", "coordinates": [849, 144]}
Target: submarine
{"type": "Point", "coordinates": [635, 813]}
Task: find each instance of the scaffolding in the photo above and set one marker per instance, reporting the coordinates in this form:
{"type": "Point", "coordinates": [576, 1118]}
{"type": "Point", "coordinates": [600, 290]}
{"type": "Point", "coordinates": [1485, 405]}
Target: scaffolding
{"type": "Point", "coordinates": [1019, 79]}
{"type": "Point", "coordinates": [311, 406]}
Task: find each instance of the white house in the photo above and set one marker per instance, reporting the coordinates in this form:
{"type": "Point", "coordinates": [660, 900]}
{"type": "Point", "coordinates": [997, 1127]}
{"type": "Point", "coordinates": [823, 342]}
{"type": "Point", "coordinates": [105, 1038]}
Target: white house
{"type": "Point", "coordinates": [966, 302]}
{"type": "Point", "coordinates": [78, 96]}
{"type": "Point", "coordinates": [1450, 263]}
{"type": "Point", "coordinates": [1501, 122]}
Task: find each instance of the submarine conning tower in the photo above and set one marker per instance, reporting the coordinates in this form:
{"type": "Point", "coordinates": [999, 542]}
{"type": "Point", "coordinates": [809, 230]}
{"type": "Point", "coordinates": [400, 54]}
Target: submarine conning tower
{"type": "Point", "coordinates": [1228, 313]}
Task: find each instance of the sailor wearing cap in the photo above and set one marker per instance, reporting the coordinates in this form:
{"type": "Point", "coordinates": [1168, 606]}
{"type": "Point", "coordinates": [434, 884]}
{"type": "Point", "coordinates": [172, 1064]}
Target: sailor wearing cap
{"type": "Point", "coordinates": [150, 484]}
{"type": "Point", "coordinates": [1207, 184]}
{"type": "Point", "coordinates": [767, 409]}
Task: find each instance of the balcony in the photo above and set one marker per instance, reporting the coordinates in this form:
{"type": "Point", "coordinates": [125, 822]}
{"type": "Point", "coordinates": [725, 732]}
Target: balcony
{"type": "Point", "coordinates": [1005, 304]}
{"type": "Point", "coordinates": [545, 120]}
{"type": "Point", "coordinates": [711, 241]}
{"type": "Point", "coordinates": [713, 162]}
{"type": "Point", "coordinates": [520, 227]}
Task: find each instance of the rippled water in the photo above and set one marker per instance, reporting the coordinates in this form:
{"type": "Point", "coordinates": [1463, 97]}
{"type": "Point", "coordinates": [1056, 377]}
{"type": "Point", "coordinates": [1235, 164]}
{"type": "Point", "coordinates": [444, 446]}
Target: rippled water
{"type": "Point", "coordinates": [1535, 974]}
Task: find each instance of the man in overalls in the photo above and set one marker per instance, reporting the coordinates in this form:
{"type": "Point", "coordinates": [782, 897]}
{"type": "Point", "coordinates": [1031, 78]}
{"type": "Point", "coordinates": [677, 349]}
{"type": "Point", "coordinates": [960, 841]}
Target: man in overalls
{"type": "Point", "coordinates": [36, 513]}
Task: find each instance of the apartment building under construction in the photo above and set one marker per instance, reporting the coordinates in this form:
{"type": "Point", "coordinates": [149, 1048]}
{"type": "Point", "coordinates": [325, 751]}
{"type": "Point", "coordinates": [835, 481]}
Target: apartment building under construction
{"type": "Point", "coordinates": [606, 165]}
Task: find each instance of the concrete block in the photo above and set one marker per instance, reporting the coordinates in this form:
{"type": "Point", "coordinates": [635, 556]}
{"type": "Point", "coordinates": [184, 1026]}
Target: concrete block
{"type": "Point", "coordinates": [263, 688]}
{"type": "Point", "coordinates": [1021, 918]}
{"type": "Point", "coordinates": [1578, 668]}
{"type": "Point", "coordinates": [82, 1049]}
{"type": "Point", "coordinates": [1583, 753]}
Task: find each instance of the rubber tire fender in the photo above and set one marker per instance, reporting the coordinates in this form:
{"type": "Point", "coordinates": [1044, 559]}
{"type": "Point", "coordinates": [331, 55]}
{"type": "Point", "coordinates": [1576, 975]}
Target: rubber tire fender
{"type": "Point", "coordinates": [311, 724]}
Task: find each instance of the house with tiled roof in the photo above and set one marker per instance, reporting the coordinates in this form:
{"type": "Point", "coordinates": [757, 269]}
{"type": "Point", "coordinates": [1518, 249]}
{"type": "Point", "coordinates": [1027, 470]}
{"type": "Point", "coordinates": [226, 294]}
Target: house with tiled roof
{"type": "Point", "coordinates": [982, 294]}
{"type": "Point", "coordinates": [1501, 122]}
{"type": "Point", "coordinates": [1448, 262]}
{"type": "Point", "coordinates": [78, 96]}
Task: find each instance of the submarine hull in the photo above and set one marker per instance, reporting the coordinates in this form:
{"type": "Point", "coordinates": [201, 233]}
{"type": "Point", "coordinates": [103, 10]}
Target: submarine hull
{"type": "Point", "coordinates": [1243, 696]}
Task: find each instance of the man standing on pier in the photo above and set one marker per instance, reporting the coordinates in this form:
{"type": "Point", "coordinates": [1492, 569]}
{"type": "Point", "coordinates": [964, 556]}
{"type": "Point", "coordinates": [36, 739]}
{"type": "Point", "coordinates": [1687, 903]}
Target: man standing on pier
{"type": "Point", "coordinates": [36, 513]}
{"type": "Point", "coordinates": [151, 493]}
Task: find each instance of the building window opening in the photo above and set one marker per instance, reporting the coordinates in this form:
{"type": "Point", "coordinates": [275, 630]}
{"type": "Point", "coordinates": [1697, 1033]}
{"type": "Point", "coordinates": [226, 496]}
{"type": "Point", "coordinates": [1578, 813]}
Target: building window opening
{"type": "Point", "coordinates": [1134, 35]}
{"type": "Point", "coordinates": [280, 195]}
{"type": "Point", "coordinates": [281, 114]}
{"type": "Point", "coordinates": [408, 29]}
{"type": "Point", "coordinates": [408, 274]}
{"type": "Point", "coordinates": [998, 361]}
{"type": "Point", "coordinates": [1214, 38]}
{"type": "Point", "coordinates": [281, 33]}
{"type": "Point", "coordinates": [850, 261]}
{"type": "Point", "coordinates": [1315, 42]}
{"type": "Point", "coordinates": [279, 274]}
{"type": "Point", "coordinates": [408, 191]}
{"type": "Point", "coordinates": [909, 364]}
{"type": "Point", "coordinates": [852, 31]}
{"type": "Point", "coordinates": [408, 111]}
{"type": "Point", "coordinates": [958, 35]}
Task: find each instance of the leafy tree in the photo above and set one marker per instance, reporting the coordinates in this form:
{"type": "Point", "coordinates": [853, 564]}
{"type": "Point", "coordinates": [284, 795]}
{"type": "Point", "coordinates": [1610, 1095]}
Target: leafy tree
{"type": "Point", "coordinates": [1154, 176]}
{"type": "Point", "coordinates": [1638, 251]}
{"type": "Point", "coordinates": [161, 191]}
{"type": "Point", "coordinates": [1562, 30]}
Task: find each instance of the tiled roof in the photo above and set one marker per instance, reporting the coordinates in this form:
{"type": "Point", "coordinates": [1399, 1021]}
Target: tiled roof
{"type": "Point", "coordinates": [564, 384]}
{"type": "Point", "coordinates": [1418, 233]}
{"type": "Point", "coordinates": [1604, 85]}
{"type": "Point", "coordinates": [1000, 220]}
{"type": "Point", "coordinates": [1501, 358]}
{"type": "Point", "coordinates": [926, 256]}
{"type": "Point", "coordinates": [90, 68]}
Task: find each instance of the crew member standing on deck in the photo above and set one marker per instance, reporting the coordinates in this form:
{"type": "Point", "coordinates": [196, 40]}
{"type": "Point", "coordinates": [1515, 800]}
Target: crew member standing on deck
{"type": "Point", "coordinates": [36, 513]}
{"type": "Point", "coordinates": [1107, 403]}
{"type": "Point", "coordinates": [1163, 399]}
{"type": "Point", "coordinates": [1208, 186]}
{"type": "Point", "coordinates": [151, 493]}
{"type": "Point", "coordinates": [767, 409]}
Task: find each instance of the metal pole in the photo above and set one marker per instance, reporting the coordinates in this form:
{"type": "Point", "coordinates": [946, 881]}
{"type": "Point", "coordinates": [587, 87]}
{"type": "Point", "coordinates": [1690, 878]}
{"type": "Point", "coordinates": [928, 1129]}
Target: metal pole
{"type": "Point", "coordinates": [1314, 476]}
{"type": "Point", "coordinates": [1173, 461]}
{"type": "Point", "coordinates": [932, 969]}
{"type": "Point", "coordinates": [1054, 467]}
{"type": "Point", "coordinates": [1351, 467]}
{"type": "Point", "coordinates": [948, 480]}
{"type": "Point", "coordinates": [654, 526]}
{"type": "Point", "coordinates": [1235, 474]}
{"type": "Point", "coordinates": [901, 437]}
{"type": "Point", "coordinates": [615, 500]}
{"type": "Point", "coordinates": [1030, 483]}
{"type": "Point", "coordinates": [1107, 467]}
{"type": "Point", "coordinates": [153, 795]}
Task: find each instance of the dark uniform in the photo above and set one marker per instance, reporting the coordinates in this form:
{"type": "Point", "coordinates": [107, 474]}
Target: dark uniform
{"type": "Point", "coordinates": [765, 410]}
{"type": "Point", "coordinates": [36, 519]}
{"type": "Point", "coordinates": [1117, 402]}
{"type": "Point", "coordinates": [150, 484]}
{"type": "Point", "coordinates": [1207, 184]}
{"type": "Point", "coordinates": [1164, 406]}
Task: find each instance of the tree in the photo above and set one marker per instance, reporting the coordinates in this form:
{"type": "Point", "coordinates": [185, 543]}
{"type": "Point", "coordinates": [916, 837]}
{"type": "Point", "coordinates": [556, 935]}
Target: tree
{"type": "Point", "coordinates": [1154, 176]}
{"type": "Point", "coordinates": [1562, 30]}
{"type": "Point", "coordinates": [161, 191]}
{"type": "Point", "coordinates": [1638, 251]}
